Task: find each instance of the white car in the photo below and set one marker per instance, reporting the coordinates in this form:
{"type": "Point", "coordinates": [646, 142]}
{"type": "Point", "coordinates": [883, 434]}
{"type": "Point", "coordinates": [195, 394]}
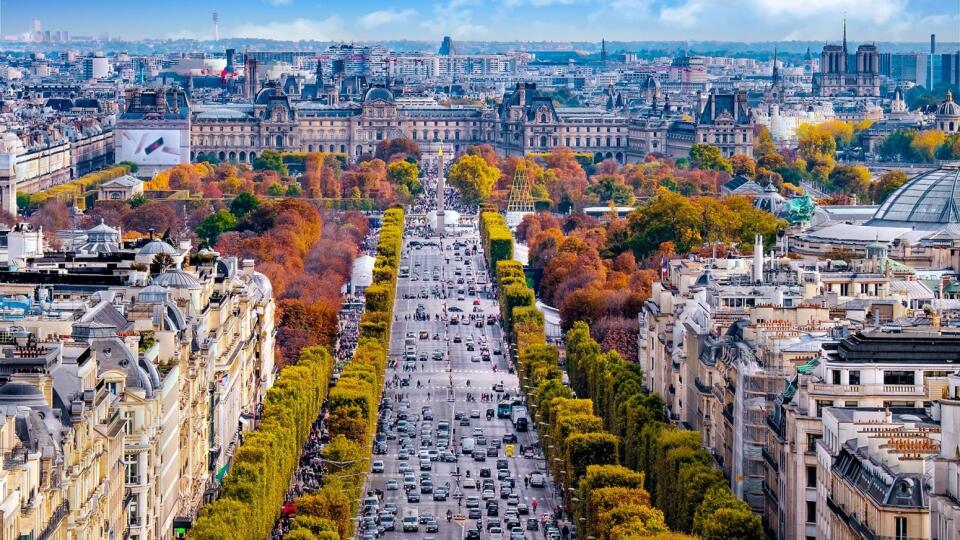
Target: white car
{"type": "Point", "coordinates": [378, 467]}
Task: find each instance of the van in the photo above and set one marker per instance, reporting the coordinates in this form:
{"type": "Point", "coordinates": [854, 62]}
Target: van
{"type": "Point", "coordinates": [467, 445]}
{"type": "Point", "coordinates": [411, 520]}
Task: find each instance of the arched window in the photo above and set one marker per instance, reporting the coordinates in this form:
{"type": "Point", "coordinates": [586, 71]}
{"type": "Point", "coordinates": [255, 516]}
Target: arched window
{"type": "Point", "coordinates": [243, 157]}
{"type": "Point", "coordinates": [543, 140]}
{"type": "Point", "coordinates": [222, 156]}
{"type": "Point", "coordinates": [279, 141]}
{"type": "Point", "coordinates": [543, 117]}
{"type": "Point", "coordinates": [359, 150]}
{"type": "Point", "coordinates": [233, 156]}
{"type": "Point", "coordinates": [253, 156]}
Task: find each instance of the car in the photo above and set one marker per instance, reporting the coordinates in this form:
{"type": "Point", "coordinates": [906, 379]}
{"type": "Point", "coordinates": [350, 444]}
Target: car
{"type": "Point", "coordinates": [533, 524]}
{"type": "Point", "coordinates": [496, 533]}
{"type": "Point", "coordinates": [485, 472]}
{"type": "Point", "coordinates": [456, 339]}
{"type": "Point", "coordinates": [538, 480]}
{"type": "Point", "coordinates": [487, 494]}
{"type": "Point", "coordinates": [404, 468]}
{"type": "Point", "coordinates": [498, 387]}
{"type": "Point", "coordinates": [425, 517]}
{"type": "Point", "coordinates": [475, 413]}
{"type": "Point", "coordinates": [510, 438]}
{"type": "Point", "coordinates": [472, 501]}
{"type": "Point", "coordinates": [388, 523]}
{"type": "Point", "coordinates": [479, 456]}
{"type": "Point", "coordinates": [497, 351]}
{"type": "Point", "coordinates": [426, 465]}
{"type": "Point", "coordinates": [391, 507]}
{"type": "Point", "coordinates": [516, 533]}
{"type": "Point", "coordinates": [413, 496]}
{"type": "Point", "coordinates": [492, 451]}
{"type": "Point", "coordinates": [475, 359]}
{"type": "Point", "coordinates": [481, 440]}
{"type": "Point", "coordinates": [434, 455]}
{"type": "Point", "coordinates": [513, 500]}
{"type": "Point", "coordinates": [474, 513]}
{"type": "Point", "coordinates": [469, 483]}
{"type": "Point", "coordinates": [448, 457]}
{"type": "Point", "coordinates": [503, 464]}
{"type": "Point", "coordinates": [432, 526]}
{"type": "Point", "coordinates": [523, 509]}
{"type": "Point", "coordinates": [392, 485]}
{"type": "Point", "coordinates": [440, 494]}
{"type": "Point", "coordinates": [493, 509]}
{"type": "Point", "coordinates": [426, 487]}
{"type": "Point", "coordinates": [472, 534]}
{"type": "Point", "coordinates": [377, 467]}
{"type": "Point", "coordinates": [464, 421]}
{"type": "Point", "coordinates": [503, 474]}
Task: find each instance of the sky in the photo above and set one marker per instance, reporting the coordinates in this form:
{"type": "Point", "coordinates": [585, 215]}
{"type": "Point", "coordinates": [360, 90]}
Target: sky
{"type": "Point", "coordinates": [495, 20]}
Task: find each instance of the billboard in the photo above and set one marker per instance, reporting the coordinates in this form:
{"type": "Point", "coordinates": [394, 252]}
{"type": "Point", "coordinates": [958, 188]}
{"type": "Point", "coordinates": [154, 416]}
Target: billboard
{"type": "Point", "coordinates": [149, 146]}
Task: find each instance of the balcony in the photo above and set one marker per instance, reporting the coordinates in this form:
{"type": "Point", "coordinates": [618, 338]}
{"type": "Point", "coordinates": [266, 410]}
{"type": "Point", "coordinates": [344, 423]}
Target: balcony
{"type": "Point", "coordinates": [704, 389]}
{"type": "Point", "coordinates": [55, 519]}
{"type": "Point", "coordinates": [860, 390]}
{"type": "Point", "coordinates": [728, 413]}
{"type": "Point", "coordinates": [769, 459]}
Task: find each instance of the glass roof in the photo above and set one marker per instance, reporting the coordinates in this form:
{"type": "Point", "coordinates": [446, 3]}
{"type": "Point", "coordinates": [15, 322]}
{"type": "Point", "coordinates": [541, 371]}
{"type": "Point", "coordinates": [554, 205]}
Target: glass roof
{"type": "Point", "coordinates": [929, 198]}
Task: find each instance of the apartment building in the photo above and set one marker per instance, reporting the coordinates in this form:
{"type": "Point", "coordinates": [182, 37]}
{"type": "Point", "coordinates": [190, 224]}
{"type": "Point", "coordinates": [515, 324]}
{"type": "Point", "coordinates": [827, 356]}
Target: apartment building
{"type": "Point", "coordinates": [182, 358]}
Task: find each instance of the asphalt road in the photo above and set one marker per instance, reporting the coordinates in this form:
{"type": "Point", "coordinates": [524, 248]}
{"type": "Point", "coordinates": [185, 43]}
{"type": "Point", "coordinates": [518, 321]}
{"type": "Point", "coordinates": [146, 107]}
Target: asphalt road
{"type": "Point", "coordinates": [445, 385]}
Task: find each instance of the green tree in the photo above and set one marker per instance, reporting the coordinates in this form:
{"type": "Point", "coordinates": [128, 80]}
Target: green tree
{"type": "Point", "coordinates": [473, 178]}
{"type": "Point", "coordinates": [160, 263]}
{"type": "Point", "coordinates": [270, 160]}
{"type": "Point", "coordinates": [851, 180]}
{"type": "Point", "coordinates": [612, 188]}
{"type": "Point", "coordinates": [889, 182]}
{"type": "Point", "coordinates": [244, 204]}
{"type": "Point", "coordinates": [276, 189]}
{"type": "Point", "coordinates": [214, 225]}
{"type": "Point", "coordinates": [950, 149]}
{"type": "Point", "coordinates": [130, 165]}
{"type": "Point", "coordinates": [668, 217]}
{"type": "Point", "coordinates": [721, 516]}
{"type": "Point", "coordinates": [294, 190]}
{"type": "Point", "coordinates": [406, 175]}
{"type": "Point", "coordinates": [898, 145]}
{"type": "Point", "coordinates": [709, 157]}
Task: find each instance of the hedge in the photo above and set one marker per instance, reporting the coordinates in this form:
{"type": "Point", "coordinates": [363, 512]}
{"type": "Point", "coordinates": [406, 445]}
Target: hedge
{"type": "Point", "coordinates": [497, 239]}
{"type": "Point", "coordinates": [665, 476]}
{"type": "Point", "coordinates": [76, 190]}
{"type": "Point", "coordinates": [256, 485]}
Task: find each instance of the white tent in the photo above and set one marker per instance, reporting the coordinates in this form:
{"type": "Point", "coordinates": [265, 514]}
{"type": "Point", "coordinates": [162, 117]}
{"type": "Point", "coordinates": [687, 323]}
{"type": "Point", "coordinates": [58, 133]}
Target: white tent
{"type": "Point", "coordinates": [361, 276]}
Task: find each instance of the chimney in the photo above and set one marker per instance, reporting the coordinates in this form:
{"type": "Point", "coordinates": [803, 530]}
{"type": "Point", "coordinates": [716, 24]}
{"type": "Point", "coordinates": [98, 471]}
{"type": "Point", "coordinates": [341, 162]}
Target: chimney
{"type": "Point", "coordinates": [522, 93]}
{"type": "Point", "coordinates": [758, 258]}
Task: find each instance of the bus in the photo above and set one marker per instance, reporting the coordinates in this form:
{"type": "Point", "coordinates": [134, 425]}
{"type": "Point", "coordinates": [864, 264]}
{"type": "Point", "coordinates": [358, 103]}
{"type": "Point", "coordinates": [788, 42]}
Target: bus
{"type": "Point", "coordinates": [504, 410]}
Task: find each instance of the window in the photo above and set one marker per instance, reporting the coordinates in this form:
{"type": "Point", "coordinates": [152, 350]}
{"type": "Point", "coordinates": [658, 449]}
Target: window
{"type": "Point", "coordinates": [133, 468]}
{"type": "Point", "coordinates": [851, 404]}
{"type": "Point", "coordinates": [901, 527]}
{"type": "Point", "coordinates": [854, 376]}
{"type": "Point", "coordinates": [811, 476]}
{"type": "Point", "coordinates": [811, 511]}
{"type": "Point", "coordinates": [836, 376]}
{"type": "Point", "coordinates": [128, 418]}
{"type": "Point", "coordinates": [898, 377]}
{"type": "Point", "coordinates": [821, 404]}
{"type": "Point", "coordinates": [812, 439]}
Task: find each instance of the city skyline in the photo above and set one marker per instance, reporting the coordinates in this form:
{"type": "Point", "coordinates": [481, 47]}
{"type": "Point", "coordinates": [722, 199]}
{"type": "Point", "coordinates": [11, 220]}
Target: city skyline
{"type": "Point", "coordinates": [548, 20]}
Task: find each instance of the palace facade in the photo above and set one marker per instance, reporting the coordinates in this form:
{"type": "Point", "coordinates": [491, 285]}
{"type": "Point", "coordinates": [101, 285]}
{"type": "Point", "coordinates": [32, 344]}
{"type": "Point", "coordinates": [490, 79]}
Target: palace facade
{"type": "Point", "coordinates": [526, 121]}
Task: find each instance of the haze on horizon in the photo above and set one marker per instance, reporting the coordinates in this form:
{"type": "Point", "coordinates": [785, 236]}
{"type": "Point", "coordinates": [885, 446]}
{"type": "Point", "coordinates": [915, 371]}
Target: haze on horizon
{"type": "Point", "coordinates": [497, 20]}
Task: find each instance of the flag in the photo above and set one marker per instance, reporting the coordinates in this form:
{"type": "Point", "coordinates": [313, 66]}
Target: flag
{"type": "Point", "coordinates": [664, 266]}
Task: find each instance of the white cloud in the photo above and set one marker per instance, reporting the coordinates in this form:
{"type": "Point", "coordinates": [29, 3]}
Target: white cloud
{"type": "Point", "coordinates": [383, 17]}
{"type": "Point", "coordinates": [455, 19]}
{"type": "Point", "coordinates": [621, 10]}
{"type": "Point", "coordinates": [293, 30]}
{"type": "Point", "coordinates": [685, 15]}
{"type": "Point", "coordinates": [877, 11]}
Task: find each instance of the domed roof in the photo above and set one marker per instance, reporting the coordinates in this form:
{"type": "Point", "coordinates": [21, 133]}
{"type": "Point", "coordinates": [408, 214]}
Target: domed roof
{"type": "Point", "coordinates": [269, 91]}
{"type": "Point", "coordinates": [153, 294]}
{"type": "Point", "coordinates": [154, 247]}
{"type": "Point", "coordinates": [379, 92]}
{"type": "Point", "coordinates": [21, 393]}
{"type": "Point", "coordinates": [929, 201]}
{"type": "Point", "coordinates": [948, 107]}
{"type": "Point", "coordinates": [177, 279]}
{"type": "Point", "coordinates": [102, 229]}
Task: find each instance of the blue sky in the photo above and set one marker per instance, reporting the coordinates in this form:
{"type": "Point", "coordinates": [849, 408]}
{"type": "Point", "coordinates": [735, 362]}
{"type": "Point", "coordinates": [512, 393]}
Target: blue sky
{"type": "Point", "coordinates": [555, 20]}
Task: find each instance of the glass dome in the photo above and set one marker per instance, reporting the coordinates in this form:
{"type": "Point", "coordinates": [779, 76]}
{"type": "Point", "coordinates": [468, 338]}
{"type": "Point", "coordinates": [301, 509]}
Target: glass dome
{"type": "Point", "coordinates": [929, 201]}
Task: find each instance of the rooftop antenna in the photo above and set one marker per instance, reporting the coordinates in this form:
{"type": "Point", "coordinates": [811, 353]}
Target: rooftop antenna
{"type": "Point", "coordinates": [844, 32]}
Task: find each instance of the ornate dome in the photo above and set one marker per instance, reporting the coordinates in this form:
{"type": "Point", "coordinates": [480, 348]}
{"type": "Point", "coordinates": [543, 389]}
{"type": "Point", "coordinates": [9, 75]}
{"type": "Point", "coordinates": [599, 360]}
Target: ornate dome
{"type": "Point", "coordinates": [153, 294]}
{"type": "Point", "coordinates": [379, 92]}
{"type": "Point", "coordinates": [177, 279]}
{"type": "Point", "coordinates": [929, 201]}
{"type": "Point", "coordinates": [155, 247]}
{"type": "Point", "coordinates": [948, 107]}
